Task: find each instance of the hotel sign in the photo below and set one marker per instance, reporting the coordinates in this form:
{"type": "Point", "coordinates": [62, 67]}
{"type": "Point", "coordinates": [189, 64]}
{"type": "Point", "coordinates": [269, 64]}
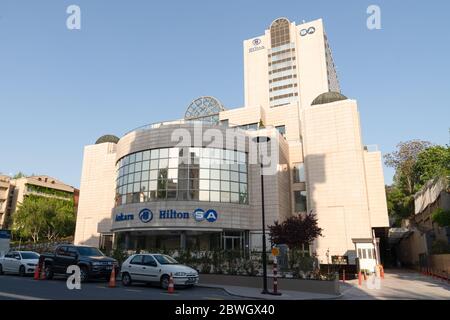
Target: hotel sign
{"type": "Point", "coordinates": [146, 215]}
{"type": "Point", "coordinates": [256, 45]}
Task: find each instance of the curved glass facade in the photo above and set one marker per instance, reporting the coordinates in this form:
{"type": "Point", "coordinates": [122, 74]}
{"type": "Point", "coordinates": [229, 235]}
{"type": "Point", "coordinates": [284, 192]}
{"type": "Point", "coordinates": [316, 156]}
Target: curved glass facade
{"type": "Point", "coordinates": [197, 174]}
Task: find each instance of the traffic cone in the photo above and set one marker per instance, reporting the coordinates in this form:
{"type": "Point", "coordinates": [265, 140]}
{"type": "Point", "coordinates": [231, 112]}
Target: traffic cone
{"type": "Point", "coordinates": [170, 288]}
{"type": "Point", "coordinates": [382, 271]}
{"type": "Point", "coordinates": [359, 278]}
{"type": "Point", "coordinates": [36, 272]}
{"type": "Point", "coordinates": [112, 278]}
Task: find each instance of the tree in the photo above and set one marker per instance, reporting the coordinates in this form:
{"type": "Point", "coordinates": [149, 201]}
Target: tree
{"type": "Point", "coordinates": [42, 217]}
{"type": "Point", "coordinates": [441, 217]}
{"type": "Point", "coordinates": [431, 163]}
{"type": "Point", "coordinates": [403, 161]}
{"type": "Point", "coordinates": [19, 175]}
{"type": "Point", "coordinates": [295, 231]}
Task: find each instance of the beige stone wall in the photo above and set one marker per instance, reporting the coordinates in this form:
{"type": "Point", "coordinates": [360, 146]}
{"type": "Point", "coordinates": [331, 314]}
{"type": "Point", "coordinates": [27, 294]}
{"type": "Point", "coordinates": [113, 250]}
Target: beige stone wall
{"type": "Point", "coordinates": [335, 175]}
{"type": "Point", "coordinates": [376, 189]}
{"type": "Point", "coordinates": [97, 191]}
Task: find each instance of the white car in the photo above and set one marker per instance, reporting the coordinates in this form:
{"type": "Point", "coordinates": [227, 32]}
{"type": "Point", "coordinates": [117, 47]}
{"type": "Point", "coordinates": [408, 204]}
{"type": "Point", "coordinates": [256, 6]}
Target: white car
{"type": "Point", "coordinates": [156, 268]}
{"type": "Point", "coordinates": [19, 262]}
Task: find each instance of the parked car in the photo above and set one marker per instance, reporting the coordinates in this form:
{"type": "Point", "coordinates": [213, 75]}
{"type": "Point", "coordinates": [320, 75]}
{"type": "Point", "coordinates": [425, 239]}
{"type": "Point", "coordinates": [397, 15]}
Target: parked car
{"type": "Point", "coordinates": [156, 268]}
{"type": "Point", "coordinates": [19, 262]}
{"type": "Point", "coordinates": [92, 262]}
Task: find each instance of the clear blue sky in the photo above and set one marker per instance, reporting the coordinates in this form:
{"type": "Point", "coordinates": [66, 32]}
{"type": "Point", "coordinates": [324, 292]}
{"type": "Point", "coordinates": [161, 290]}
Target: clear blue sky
{"type": "Point", "coordinates": [137, 62]}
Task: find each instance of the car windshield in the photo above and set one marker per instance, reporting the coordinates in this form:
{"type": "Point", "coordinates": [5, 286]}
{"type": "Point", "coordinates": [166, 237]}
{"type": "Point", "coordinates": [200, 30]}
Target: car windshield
{"type": "Point", "coordinates": [163, 259]}
{"type": "Point", "coordinates": [89, 252]}
{"type": "Point", "coordinates": [29, 255]}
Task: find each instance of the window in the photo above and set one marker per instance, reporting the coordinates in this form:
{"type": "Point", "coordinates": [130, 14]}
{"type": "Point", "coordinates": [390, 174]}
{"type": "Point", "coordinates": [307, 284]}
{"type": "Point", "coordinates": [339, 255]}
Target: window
{"type": "Point", "coordinates": [137, 260]}
{"type": "Point", "coordinates": [299, 172]}
{"type": "Point", "coordinates": [281, 130]}
{"type": "Point", "coordinates": [300, 201]}
{"type": "Point", "coordinates": [205, 174]}
{"type": "Point", "coordinates": [149, 261]}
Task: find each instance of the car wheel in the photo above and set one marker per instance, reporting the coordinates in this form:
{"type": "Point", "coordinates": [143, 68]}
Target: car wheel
{"type": "Point", "coordinates": [84, 276]}
{"type": "Point", "coordinates": [1, 269]}
{"type": "Point", "coordinates": [48, 271]}
{"type": "Point", "coordinates": [165, 282]}
{"type": "Point", "coordinates": [22, 271]}
{"type": "Point", "coordinates": [126, 279]}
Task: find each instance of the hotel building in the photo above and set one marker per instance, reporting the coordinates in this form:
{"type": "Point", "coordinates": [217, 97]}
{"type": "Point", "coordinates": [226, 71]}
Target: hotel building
{"type": "Point", "coordinates": [147, 190]}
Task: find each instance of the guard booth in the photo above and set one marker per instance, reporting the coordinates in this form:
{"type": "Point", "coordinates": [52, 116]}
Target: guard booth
{"type": "Point", "coordinates": [5, 238]}
{"type": "Point", "coordinates": [366, 254]}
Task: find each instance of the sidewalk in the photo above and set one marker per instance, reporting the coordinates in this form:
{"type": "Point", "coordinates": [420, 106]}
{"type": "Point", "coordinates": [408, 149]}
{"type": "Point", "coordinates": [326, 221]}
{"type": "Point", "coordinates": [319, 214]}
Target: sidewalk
{"type": "Point", "coordinates": [255, 293]}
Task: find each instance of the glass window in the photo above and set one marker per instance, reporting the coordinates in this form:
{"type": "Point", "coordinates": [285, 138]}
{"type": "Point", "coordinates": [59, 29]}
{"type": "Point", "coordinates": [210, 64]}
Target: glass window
{"type": "Point", "coordinates": [225, 185]}
{"type": "Point", "coordinates": [173, 163]}
{"type": "Point", "coordinates": [193, 195]}
{"type": "Point", "coordinates": [214, 196]}
{"type": "Point", "coordinates": [204, 173]}
{"type": "Point", "coordinates": [174, 152]}
{"type": "Point", "coordinates": [152, 185]}
{"type": "Point", "coordinates": [281, 130]}
{"type": "Point", "coordinates": [204, 195]}
{"type": "Point", "coordinates": [215, 174]}
{"type": "Point", "coordinates": [154, 154]}
{"type": "Point", "coordinates": [234, 198]}
{"type": "Point", "coordinates": [163, 153]}
{"type": "Point", "coordinates": [299, 172]}
{"type": "Point", "coordinates": [234, 176]}
{"type": "Point", "coordinates": [163, 163]}
{"type": "Point", "coordinates": [204, 184]}
{"type": "Point", "coordinates": [224, 175]}
{"type": "Point", "coordinates": [214, 185]}
{"type": "Point", "coordinates": [210, 175]}
{"type": "Point", "coordinates": [224, 197]}
{"type": "Point", "coordinates": [132, 158]}
{"type": "Point", "coordinates": [300, 201]}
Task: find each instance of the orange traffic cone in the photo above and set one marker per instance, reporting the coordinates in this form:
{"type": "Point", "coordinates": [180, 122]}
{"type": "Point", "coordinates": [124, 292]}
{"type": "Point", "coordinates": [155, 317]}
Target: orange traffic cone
{"type": "Point", "coordinates": [112, 279]}
{"type": "Point", "coordinates": [382, 271]}
{"type": "Point", "coordinates": [170, 288]}
{"type": "Point", "coordinates": [36, 272]}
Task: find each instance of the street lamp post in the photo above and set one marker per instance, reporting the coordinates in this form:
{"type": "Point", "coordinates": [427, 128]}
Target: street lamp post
{"type": "Point", "coordinates": [259, 140]}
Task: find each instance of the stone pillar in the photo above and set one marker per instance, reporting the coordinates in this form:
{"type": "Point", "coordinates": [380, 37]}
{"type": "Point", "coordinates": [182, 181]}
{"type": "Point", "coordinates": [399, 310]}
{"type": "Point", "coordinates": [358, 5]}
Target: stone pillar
{"type": "Point", "coordinates": [183, 240]}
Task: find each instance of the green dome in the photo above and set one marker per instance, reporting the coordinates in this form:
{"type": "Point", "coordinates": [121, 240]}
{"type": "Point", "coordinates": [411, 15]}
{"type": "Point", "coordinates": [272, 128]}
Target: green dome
{"type": "Point", "coordinates": [107, 138]}
{"type": "Point", "coordinates": [328, 97]}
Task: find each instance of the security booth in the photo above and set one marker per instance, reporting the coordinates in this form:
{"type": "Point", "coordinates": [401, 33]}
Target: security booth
{"type": "Point", "coordinates": [366, 255]}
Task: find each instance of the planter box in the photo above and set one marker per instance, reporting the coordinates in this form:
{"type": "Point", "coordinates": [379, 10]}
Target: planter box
{"type": "Point", "coordinates": [314, 286]}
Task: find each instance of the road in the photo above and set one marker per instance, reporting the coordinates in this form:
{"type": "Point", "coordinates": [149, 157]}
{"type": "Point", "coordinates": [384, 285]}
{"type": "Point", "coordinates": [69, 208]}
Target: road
{"type": "Point", "coordinates": [18, 288]}
{"type": "Point", "coordinates": [400, 285]}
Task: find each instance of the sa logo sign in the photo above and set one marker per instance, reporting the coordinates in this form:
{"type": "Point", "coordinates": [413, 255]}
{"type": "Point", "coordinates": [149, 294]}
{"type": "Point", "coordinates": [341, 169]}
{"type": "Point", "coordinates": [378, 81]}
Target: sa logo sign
{"type": "Point", "coordinates": [200, 215]}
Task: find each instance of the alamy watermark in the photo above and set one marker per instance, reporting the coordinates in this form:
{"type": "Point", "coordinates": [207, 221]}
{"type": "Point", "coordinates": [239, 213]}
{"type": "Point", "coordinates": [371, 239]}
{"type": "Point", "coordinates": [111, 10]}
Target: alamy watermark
{"type": "Point", "coordinates": [374, 19]}
{"type": "Point", "coordinates": [73, 21]}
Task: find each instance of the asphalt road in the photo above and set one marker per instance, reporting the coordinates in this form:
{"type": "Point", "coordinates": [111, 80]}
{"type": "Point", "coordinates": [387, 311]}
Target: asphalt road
{"type": "Point", "coordinates": [17, 288]}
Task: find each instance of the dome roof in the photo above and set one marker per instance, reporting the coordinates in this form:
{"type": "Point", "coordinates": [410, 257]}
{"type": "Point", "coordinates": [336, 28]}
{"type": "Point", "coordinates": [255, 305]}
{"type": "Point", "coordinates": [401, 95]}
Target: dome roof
{"type": "Point", "coordinates": [328, 97]}
{"type": "Point", "coordinates": [107, 138]}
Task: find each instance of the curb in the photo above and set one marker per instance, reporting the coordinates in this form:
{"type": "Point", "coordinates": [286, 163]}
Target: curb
{"type": "Point", "coordinates": [260, 298]}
